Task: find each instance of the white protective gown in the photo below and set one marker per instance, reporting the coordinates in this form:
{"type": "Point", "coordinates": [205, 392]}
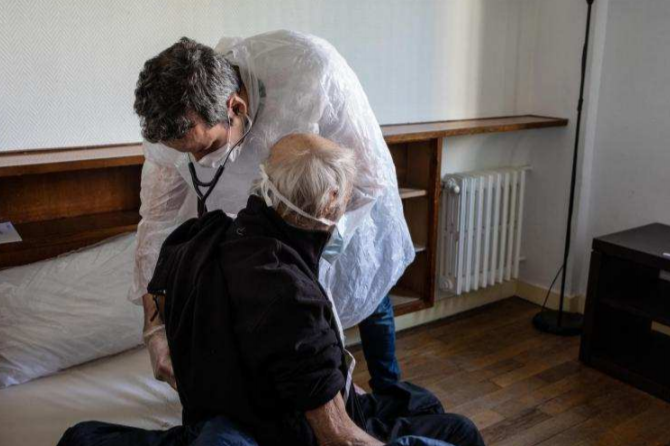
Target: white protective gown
{"type": "Point", "coordinates": [296, 83]}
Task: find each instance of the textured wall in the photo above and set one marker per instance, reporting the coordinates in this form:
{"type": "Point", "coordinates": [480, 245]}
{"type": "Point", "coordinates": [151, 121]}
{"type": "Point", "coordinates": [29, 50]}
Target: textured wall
{"type": "Point", "coordinates": [631, 154]}
{"type": "Point", "coordinates": [68, 67]}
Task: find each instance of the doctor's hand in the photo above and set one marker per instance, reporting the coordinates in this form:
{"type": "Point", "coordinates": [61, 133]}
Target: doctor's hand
{"type": "Point", "coordinates": [156, 341]}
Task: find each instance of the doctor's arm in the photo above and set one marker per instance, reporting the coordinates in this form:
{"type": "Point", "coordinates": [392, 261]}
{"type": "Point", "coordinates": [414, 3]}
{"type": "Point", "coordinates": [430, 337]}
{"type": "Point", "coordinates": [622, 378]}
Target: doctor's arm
{"type": "Point", "coordinates": [163, 192]}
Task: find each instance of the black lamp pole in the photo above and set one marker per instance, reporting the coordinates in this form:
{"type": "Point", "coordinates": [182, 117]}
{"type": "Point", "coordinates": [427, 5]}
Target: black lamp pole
{"type": "Point", "coordinates": [561, 322]}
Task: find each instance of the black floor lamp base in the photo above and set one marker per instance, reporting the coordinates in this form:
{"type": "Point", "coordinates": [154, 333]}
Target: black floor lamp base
{"type": "Point", "coordinates": [547, 321]}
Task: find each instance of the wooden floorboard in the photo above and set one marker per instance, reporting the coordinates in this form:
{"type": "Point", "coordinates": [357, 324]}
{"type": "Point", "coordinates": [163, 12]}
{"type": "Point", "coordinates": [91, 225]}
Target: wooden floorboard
{"type": "Point", "coordinates": [522, 387]}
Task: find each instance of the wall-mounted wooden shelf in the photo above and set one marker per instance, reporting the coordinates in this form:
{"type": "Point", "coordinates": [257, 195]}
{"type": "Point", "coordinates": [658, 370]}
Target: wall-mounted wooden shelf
{"type": "Point", "coordinates": [27, 162]}
{"type": "Point", "coordinates": [399, 133]}
{"type": "Point", "coordinates": [65, 199]}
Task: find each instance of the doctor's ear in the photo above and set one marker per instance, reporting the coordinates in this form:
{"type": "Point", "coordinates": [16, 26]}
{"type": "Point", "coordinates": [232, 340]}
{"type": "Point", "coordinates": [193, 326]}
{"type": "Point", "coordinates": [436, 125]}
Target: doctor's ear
{"type": "Point", "coordinates": [238, 105]}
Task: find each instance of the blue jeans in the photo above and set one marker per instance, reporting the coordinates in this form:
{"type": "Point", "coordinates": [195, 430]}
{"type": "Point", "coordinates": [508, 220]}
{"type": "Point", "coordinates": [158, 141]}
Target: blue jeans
{"type": "Point", "coordinates": [378, 342]}
{"type": "Point", "coordinates": [217, 431]}
{"type": "Point", "coordinates": [412, 440]}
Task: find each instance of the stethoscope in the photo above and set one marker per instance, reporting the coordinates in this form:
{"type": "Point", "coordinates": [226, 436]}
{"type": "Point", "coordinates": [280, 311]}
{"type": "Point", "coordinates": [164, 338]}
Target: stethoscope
{"type": "Point", "coordinates": [211, 184]}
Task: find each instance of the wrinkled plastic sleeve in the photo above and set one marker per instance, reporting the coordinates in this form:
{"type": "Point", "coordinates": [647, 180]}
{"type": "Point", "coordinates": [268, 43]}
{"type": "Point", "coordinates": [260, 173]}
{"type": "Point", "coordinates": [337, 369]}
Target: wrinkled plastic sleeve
{"type": "Point", "coordinates": [164, 195]}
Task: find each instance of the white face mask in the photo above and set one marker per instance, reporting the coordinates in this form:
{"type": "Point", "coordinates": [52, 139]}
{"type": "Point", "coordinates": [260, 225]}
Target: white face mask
{"type": "Point", "coordinates": [225, 153]}
{"type": "Point", "coordinates": [218, 161]}
{"type": "Point", "coordinates": [266, 184]}
{"type": "Point", "coordinates": [335, 245]}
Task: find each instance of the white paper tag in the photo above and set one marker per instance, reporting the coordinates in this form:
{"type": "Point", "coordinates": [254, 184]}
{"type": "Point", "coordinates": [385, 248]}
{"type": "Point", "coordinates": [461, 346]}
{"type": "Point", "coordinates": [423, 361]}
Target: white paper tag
{"type": "Point", "coordinates": [8, 233]}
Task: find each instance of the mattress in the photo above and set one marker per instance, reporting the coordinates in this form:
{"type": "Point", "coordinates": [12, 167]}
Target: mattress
{"type": "Point", "coordinates": [118, 389]}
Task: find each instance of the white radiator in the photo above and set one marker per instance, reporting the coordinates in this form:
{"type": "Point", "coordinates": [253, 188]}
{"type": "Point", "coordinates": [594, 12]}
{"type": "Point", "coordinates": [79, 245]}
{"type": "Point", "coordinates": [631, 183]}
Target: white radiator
{"type": "Point", "coordinates": [480, 235]}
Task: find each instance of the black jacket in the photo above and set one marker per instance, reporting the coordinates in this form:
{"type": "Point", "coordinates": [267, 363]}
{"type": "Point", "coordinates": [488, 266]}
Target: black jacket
{"type": "Point", "coordinates": [251, 332]}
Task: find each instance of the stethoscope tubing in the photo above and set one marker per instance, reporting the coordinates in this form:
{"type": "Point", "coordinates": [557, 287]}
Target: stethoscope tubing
{"type": "Point", "coordinates": [211, 184]}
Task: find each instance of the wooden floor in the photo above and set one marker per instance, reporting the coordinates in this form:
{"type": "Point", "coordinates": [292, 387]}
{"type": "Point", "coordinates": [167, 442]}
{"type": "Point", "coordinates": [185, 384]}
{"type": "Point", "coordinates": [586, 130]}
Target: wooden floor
{"type": "Point", "coordinates": [522, 387]}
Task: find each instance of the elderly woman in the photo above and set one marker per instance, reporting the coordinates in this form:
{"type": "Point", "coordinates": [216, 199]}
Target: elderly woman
{"type": "Point", "coordinates": [255, 339]}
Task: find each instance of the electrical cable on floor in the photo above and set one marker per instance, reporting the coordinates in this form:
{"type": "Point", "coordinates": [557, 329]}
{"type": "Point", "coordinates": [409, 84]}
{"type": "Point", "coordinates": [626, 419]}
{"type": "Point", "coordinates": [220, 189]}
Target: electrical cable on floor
{"type": "Point", "coordinates": [550, 287]}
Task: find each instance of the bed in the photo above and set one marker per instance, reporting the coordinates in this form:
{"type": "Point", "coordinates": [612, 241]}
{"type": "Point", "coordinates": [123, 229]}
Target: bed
{"type": "Point", "coordinates": [42, 327]}
{"type": "Point", "coordinates": [117, 389]}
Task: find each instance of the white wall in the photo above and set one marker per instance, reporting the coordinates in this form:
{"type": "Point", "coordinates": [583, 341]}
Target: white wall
{"type": "Point", "coordinates": [557, 34]}
{"type": "Point", "coordinates": [625, 150]}
{"type": "Point", "coordinates": [68, 67]}
{"type": "Point", "coordinates": [549, 44]}
{"type": "Point", "coordinates": [630, 175]}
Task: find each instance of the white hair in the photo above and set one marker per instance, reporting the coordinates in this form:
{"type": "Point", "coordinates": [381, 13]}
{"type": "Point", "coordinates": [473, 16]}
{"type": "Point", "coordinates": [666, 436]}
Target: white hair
{"type": "Point", "coordinates": [314, 174]}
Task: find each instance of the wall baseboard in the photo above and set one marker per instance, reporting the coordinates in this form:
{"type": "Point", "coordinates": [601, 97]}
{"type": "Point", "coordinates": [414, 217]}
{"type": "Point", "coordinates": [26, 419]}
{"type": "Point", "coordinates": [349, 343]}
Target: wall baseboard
{"type": "Point", "coordinates": [537, 294]}
{"type": "Point", "coordinates": [444, 307]}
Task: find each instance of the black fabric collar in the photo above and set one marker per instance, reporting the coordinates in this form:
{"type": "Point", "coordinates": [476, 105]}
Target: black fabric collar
{"type": "Point", "coordinates": [258, 219]}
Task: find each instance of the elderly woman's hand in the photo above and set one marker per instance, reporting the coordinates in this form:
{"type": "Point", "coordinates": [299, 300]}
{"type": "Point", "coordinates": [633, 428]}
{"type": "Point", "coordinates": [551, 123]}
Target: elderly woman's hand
{"type": "Point", "coordinates": [333, 427]}
{"type": "Point", "coordinates": [156, 341]}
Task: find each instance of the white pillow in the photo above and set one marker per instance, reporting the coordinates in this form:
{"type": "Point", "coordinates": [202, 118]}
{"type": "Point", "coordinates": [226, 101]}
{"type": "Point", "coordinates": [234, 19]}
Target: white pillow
{"type": "Point", "coordinates": [64, 311]}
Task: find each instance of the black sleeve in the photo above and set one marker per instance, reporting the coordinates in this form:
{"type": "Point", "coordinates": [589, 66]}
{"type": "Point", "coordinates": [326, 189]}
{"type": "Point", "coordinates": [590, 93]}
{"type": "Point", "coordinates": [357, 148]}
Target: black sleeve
{"type": "Point", "coordinates": [291, 341]}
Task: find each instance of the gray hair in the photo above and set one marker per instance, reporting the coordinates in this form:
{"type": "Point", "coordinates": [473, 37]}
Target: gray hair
{"type": "Point", "coordinates": [184, 79]}
{"type": "Point", "coordinates": [313, 173]}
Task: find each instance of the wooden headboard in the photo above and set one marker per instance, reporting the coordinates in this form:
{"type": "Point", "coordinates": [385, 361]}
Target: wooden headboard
{"type": "Point", "coordinates": [66, 199]}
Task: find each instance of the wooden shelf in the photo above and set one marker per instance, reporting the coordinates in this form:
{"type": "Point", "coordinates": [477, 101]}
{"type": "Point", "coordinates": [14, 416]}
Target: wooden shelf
{"type": "Point", "coordinates": [399, 133]}
{"type": "Point", "coordinates": [419, 248]}
{"type": "Point", "coordinates": [45, 239]}
{"type": "Point", "coordinates": [32, 162]}
{"type": "Point", "coordinates": [56, 214]}
{"type": "Point", "coordinates": [406, 301]}
{"type": "Point", "coordinates": [401, 295]}
{"type": "Point", "coordinates": [406, 193]}
{"type": "Point", "coordinates": [27, 162]}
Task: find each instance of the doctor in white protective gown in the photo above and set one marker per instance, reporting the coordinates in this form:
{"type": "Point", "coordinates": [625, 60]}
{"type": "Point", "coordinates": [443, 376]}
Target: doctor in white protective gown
{"type": "Point", "coordinates": [294, 83]}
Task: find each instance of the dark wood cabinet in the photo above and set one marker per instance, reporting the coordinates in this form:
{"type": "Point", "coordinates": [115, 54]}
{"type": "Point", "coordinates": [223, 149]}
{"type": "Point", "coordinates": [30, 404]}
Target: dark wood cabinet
{"type": "Point", "coordinates": [627, 315]}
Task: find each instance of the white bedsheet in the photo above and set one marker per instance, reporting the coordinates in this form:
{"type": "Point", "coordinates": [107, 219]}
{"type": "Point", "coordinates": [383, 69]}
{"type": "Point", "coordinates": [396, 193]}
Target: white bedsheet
{"type": "Point", "coordinates": [119, 389]}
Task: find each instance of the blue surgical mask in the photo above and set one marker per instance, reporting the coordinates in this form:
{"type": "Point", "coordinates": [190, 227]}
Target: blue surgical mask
{"type": "Point", "coordinates": [335, 245]}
